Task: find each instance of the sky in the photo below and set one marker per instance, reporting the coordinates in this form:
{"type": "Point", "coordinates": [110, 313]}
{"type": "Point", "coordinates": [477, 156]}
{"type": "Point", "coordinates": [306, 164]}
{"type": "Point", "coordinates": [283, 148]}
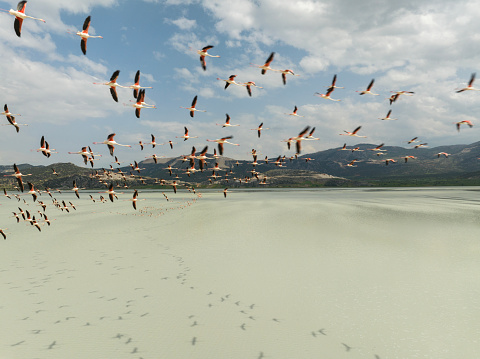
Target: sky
{"type": "Point", "coordinates": [429, 47]}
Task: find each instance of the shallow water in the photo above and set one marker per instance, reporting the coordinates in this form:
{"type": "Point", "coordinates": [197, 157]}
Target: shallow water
{"type": "Point", "coordinates": [339, 273]}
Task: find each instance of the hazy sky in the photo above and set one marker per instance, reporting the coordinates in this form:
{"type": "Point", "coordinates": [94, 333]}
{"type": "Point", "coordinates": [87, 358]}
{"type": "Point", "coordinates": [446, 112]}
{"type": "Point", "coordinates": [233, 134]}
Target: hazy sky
{"type": "Point", "coordinates": [429, 47]}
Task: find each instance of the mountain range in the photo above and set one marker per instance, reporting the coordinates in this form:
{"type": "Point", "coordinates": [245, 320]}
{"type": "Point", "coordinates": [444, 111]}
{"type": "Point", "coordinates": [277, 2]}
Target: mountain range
{"type": "Point", "coordinates": [461, 166]}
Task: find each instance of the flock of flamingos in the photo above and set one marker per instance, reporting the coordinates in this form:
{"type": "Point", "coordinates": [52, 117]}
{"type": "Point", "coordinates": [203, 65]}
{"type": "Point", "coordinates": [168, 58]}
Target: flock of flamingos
{"type": "Point", "coordinates": [88, 155]}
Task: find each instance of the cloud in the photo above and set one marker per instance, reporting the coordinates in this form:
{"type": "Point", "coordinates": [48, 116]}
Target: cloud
{"type": "Point", "coordinates": [183, 23]}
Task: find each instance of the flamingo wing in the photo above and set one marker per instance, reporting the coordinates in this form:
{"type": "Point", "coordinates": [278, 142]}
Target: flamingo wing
{"type": "Point", "coordinates": [284, 78]}
{"type": "Point", "coordinates": [472, 78]}
{"type": "Point", "coordinates": [115, 76]}
{"type": "Point", "coordinates": [17, 25]}
{"type": "Point", "coordinates": [21, 6]}
{"type": "Point", "coordinates": [113, 92]}
{"type": "Point", "coordinates": [203, 63]}
{"type": "Point", "coordinates": [83, 45]}
{"type": "Point", "coordinates": [249, 90]}
{"type": "Point", "coordinates": [86, 24]}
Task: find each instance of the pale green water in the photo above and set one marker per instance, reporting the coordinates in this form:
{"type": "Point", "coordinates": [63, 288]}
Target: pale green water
{"type": "Point", "coordinates": [390, 273]}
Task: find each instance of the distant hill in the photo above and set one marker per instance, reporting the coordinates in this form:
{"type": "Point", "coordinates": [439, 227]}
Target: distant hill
{"type": "Point", "coordinates": [323, 168]}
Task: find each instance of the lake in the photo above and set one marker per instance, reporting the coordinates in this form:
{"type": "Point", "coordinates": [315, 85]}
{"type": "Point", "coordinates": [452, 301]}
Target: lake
{"type": "Point", "coordinates": [300, 273]}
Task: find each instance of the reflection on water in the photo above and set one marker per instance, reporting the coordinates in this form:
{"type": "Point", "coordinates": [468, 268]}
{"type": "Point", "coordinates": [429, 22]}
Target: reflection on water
{"type": "Point", "coordinates": [339, 273]}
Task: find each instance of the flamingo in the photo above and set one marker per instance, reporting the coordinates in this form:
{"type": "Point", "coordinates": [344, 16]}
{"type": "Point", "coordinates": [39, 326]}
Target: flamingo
{"type": "Point", "coordinates": [155, 158]}
{"type": "Point", "coordinates": [111, 192]}
{"type": "Point", "coordinates": [284, 74]}
{"type": "Point", "coordinates": [222, 141]}
{"type": "Point", "coordinates": [352, 163]}
{"type": "Point", "coordinates": [333, 86]}
{"type": "Point", "coordinates": [467, 122]}
{"type": "Point", "coordinates": [11, 121]}
{"type": "Point", "coordinates": [259, 129]}
{"type": "Point", "coordinates": [134, 199]}
{"type": "Point", "coordinates": [368, 90]}
{"type": "Point", "coordinates": [353, 133]}
{"type": "Point", "coordinates": [298, 139]}
{"type": "Point", "coordinates": [111, 143]}
{"type": "Point", "coordinates": [84, 152]}
{"type": "Point", "coordinates": [470, 85]}
{"type": "Point", "coordinates": [266, 65]}
{"type": "Point", "coordinates": [409, 157]}
{"type": "Point", "coordinates": [397, 94]}
{"type": "Point", "coordinates": [3, 233]}
{"type": "Point", "coordinates": [294, 113]}
{"type": "Point", "coordinates": [388, 160]}
{"type": "Point", "coordinates": [344, 148]}
{"type": "Point", "coordinates": [153, 143]}
{"type": "Point", "coordinates": [310, 136]}
{"type": "Point", "coordinates": [386, 118]}
{"type": "Point", "coordinates": [202, 157]}
{"type": "Point", "coordinates": [7, 113]}
{"type": "Point", "coordinates": [421, 145]}
{"type": "Point", "coordinates": [136, 86]}
{"type": "Point", "coordinates": [249, 85]}
{"type": "Point", "coordinates": [192, 108]}
{"type": "Point", "coordinates": [378, 148]}
{"type": "Point", "coordinates": [412, 140]}
{"type": "Point", "coordinates": [32, 191]}
{"type": "Point", "coordinates": [186, 136]}
{"type": "Point", "coordinates": [45, 148]}
{"type": "Point", "coordinates": [327, 95]}
{"type": "Point", "coordinates": [20, 16]}
{"type": "Point", "coordinates": [141, 103]}
{"type": "Point", "coordinates": [227, 123]}
{"type": "Point", "coordinates": [225, 192]}
{"type": "Point", "coordinates": [85, 35]}
{"type": "Point", "coordinates": [75, 188]}
{"type": "Point", "coordinates": [203, 53]}
{"type": "Point", "coordinates": [439, 154]}
{"type": "Point", "coordinates": [230, 80]}
{"type": "Point", "coordinates": [113, 85]}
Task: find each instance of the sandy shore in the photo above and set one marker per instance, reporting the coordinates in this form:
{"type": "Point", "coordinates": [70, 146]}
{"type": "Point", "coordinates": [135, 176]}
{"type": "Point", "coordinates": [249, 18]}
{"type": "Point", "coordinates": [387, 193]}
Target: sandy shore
{"type": "Point", "coordinates": [253, 276]}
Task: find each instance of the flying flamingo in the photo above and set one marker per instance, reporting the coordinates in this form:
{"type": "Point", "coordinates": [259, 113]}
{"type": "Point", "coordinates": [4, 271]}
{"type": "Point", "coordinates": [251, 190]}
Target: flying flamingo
{"type": "Point", "coordinates": [18, 175]}
{"type": "Point", "coordinates": [141, 103]}
{"type": "Point", "coordinates": [443, 154]}
{"type": "Point", "coordinates": [111, 143]}
{"type": "Point", "coordinates": [227, 122]}
{"type": "Point", "coordinates": [249, 85]}
{"type": "Point", "coordinates": [352, 163]}
{"type": "Point", "coordinates": [113, 85]}
{"type": "Point", "coordinates": [310, 136]}
{"type": "Point", "coordinates": [136, 86]}
{"type": "Point", "coordinates": [298, 139]}
{"type": "Point", "coordinates": [470, 85]}
{"type": "Point", "coordinates": [421, 145]}
{"type": "Point", "coordinates": [353, 133]}
{"type": "Point", "coordinates": [203, 53]}
{"type": "Point", "coordinates": [75, 188]}
{"type": "Point", "coordinates": [7, 113]}
{"type": "Point", "coordinates": [396, 95]}
{"type": "Point", "coordinates": [333, 85]}
{"type": "Point", "coordinates": [259, 129]}
{"type": "Point", "coordinates": [412, 140]}
{"type": "Point", "coordinates": [186, 136]}
{"type": "Point", "coordinates": [32, 191]}
{"type": "Point", "coordinates": [84, 152]}
{"type": "Point", "coordinates": [327, 95]}
{"type": "Point", "coordinates": [221, 141]}
{"type": "Point", "coordinates": [378, 148]}
{"type": "Point", "coordinates": [230, 80]}
{"type": "Point", "coordinates": [266, 65]}
{"type": "Point", "coordinates": [368, 90]}
{"type": "Point", "coordinates": [408, 158]}
{"type": "Point", "coordinates": [192, 108]}
{"type": "Point", "coordinates": [388, 160]}
{"type": "Point", "coordinates": [11, 121]}
{"type": "Point", "coordinates": [134, 199]}
{"type": "Point", "coordinates": [285, 73]}
{"type": "Point", "coordinates": [467, 122]}
{"type": "Point", "coordinates": [294, 113]}
{"type": "Point", "coordinates": [85, 35]}
{"type": "Point", "coordinates": [153, 143]}
{"type": "Point", "coordinates": [20, 16]}
{"type": "Point", "coordinates": [386, 118]}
